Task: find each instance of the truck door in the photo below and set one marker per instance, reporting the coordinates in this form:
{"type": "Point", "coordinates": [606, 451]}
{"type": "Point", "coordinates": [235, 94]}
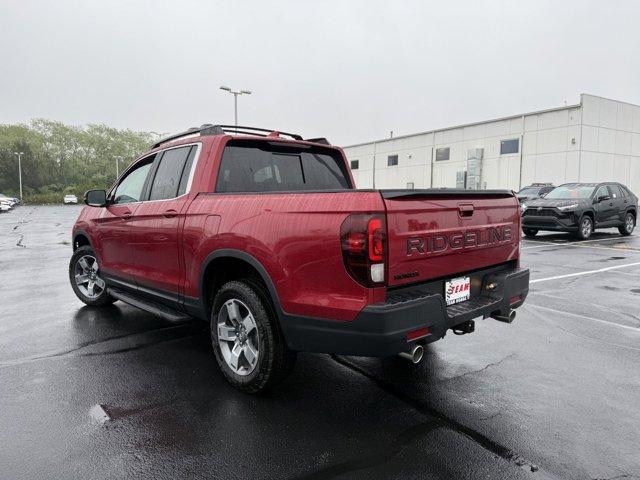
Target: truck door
{"type": "Point", "coordinates": [155, 226]}
{"type": "Point", "coordinates": [113, 245]}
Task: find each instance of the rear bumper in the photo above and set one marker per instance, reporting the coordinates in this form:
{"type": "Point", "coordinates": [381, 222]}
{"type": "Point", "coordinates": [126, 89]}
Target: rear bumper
{"type": "Point", "coordinates": [380, 330]}
{"type": "Point", "coordinates": [562, 224]}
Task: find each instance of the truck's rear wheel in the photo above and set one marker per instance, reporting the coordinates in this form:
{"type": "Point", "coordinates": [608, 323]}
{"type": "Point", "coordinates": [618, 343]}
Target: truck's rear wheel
{"type": "Point", "coordinates": [246, 338]}
{"type": "Point", "coordinates": [529, 232]}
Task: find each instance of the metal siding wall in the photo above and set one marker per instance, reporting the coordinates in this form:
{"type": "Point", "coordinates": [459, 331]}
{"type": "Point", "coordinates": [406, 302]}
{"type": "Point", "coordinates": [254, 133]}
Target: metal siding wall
{"type": "Point", "coordinates": [597, 141]}
{"type": "Point", "coordinates": [610, 142]}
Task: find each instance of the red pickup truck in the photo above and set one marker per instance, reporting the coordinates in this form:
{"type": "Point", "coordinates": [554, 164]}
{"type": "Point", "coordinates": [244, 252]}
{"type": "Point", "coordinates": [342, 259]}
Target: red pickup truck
{"type": "Point", "coordinates": [264, 235]}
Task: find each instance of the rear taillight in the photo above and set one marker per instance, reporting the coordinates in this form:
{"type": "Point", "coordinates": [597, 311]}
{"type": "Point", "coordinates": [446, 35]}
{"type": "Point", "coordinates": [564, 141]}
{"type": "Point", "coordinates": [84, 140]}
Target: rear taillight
{"type": "Point", "coordinates": [364, 239]}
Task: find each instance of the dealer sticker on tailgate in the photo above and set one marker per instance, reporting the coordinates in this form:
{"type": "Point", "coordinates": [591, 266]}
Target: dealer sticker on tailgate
{"type": "Point", "coordinates": [457, 290]}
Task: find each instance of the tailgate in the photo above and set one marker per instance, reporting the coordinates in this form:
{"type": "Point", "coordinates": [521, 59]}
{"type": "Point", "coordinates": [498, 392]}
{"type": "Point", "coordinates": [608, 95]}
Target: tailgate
{"type": "Point", "coordinates": [434, 234]}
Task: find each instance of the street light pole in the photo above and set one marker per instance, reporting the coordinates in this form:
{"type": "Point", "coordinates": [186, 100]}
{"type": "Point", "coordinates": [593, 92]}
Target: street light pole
{"type": "Point", "coordinates": [119, 157]}
{"type": "Point", "coordinates": [235, 109]}
{"type": "Point", "coordinates": [235, 100]}
{"type": "Point", "coordinates": [19, 155]}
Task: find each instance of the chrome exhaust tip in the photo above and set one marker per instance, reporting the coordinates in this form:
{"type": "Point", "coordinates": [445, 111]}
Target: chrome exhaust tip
{"type": "Point", "coordinates": [414, 355]}
{"type": "Point", "coordinates": [505, 318]}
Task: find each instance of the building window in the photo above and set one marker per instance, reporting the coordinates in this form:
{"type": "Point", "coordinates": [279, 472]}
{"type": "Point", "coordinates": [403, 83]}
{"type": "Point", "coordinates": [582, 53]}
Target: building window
{"type": "Point", "coordinates": [509, 146]}
{"type": "Point", "coordinates": [410, 186]}
{"type": "Point", "coordinates": [442, 154]}
{"type": "Point", "coordinates": [392, 160]}
{"type": "Point", "coordinates": [355, 164]}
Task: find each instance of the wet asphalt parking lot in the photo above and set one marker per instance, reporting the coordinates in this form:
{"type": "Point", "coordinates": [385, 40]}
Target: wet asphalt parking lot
{"type": "Point", "coordinates": [554, 395]}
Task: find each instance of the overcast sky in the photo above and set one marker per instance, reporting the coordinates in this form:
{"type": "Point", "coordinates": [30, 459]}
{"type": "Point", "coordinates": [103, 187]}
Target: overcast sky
{"type": "Point", "coordinates": [348, 70]}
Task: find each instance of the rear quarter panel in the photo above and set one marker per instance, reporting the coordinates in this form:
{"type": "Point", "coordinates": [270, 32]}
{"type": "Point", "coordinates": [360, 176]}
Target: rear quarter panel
{"type": "Point", "coordinates": [294, 236]}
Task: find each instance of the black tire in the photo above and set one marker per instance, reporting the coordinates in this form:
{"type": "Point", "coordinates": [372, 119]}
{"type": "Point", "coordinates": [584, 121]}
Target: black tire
{"type": "Point", "coordinates": [274, 360]}
{"type": "Point", "coordinates": [530, 232]}
{"type": "Point", "coordinates": [585, 228]}
{"type": "Point", "coordinates": [101, 298]}
{"type": "Point", "coordinates": [629, 224]}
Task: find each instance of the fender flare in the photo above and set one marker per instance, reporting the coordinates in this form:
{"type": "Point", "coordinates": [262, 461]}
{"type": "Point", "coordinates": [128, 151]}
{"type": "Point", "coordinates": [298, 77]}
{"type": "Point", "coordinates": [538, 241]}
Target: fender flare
{"type": "Point", "coordinates": [76, 233]}
{"type": "Point", "coordinates": [251, 260]}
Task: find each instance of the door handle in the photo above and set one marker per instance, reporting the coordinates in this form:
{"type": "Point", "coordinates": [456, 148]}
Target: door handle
{"type": "Point", "coordinates": [170, 213]}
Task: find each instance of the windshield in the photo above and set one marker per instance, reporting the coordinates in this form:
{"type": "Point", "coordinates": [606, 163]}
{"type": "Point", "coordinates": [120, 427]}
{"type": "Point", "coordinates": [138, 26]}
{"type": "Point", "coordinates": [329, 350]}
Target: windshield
{"type": "Point", "coordinates": [571, 191]}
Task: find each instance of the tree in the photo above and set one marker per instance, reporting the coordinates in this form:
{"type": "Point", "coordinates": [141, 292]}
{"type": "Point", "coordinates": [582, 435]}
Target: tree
{"type": "Point", "coordinates": [60, 159]}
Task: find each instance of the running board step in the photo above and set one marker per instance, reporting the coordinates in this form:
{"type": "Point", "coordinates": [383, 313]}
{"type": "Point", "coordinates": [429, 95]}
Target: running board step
{"type": "Point", "coordinates": [150, 306]}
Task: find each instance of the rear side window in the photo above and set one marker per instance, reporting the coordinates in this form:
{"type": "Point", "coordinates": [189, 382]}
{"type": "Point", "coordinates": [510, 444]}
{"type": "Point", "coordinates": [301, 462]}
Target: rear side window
{"type": "Point", "coordinates": [168, 178]}
{"type": "Point", "coordinates": [617, 191]}
{"type": "Point", "coordinates": [628, 192]}
{"type": "Point", "coordinates": [263, 167]}
{"type": "Point", "coordinates": [186, 172]}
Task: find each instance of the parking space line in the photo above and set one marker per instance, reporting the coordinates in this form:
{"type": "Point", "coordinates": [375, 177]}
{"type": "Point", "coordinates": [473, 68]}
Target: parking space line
{"type": "Point", "coordinates": [562, 312]}
{"type": "Point", "coordinates": [624, 248]}
{"type": "Point", "coordinates": [617, 249]}
{"type": "Point", "coordinates": [573, 242]}
{"type": "Point", "coordinates": [541, 246]}
{"type": "Point", "coordinates": [586, 272]}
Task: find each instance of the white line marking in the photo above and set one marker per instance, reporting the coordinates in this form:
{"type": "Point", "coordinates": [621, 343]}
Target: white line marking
{"type": "Point", "coordinates": [624, 247]}
{"type": "Point", "coordinates": [617, 249]}
{"type": "Point", "coordinates": [598, 247]}
{"type": "Point", "coordinates": [562, 312]}
{"type": "Point", "coordinates": [572, 242]}
{"type": "Point", "coordinates": [587, 272]}
{"type": "Point", "coordinates": [542, 246]}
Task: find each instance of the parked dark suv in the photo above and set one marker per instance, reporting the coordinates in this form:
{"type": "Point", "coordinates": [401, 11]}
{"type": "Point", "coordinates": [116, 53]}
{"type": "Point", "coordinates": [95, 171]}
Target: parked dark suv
{"type": "Point", "coordinates": [531, 192]}
{"type": "Point", "coordinates": [580, 208]}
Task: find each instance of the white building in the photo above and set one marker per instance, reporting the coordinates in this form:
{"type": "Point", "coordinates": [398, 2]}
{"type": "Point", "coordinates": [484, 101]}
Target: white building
{"type": "Point", "coordinates": [595, 141]}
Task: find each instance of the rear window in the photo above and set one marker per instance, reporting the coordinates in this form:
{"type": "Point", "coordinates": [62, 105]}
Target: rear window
{"type": "Point", "coordinates": [267, 167]}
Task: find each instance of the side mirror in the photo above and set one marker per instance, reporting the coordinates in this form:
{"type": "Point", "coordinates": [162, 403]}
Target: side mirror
{"type": "Point", "coordinates": [95, 198]}
{"type": "Point", "coordinates": [602, 198]}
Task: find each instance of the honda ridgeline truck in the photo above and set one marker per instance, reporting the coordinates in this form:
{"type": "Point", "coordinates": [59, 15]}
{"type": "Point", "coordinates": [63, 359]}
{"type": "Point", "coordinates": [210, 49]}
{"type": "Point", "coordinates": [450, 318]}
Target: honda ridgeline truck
{"type": "Point", "coordinates": [264, 235]}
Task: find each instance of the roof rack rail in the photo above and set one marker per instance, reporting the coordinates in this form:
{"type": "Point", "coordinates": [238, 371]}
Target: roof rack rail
{"type": "Point", "coordinates": [321, 140]}
{"type": "Point", "coordinates": [210, 129]}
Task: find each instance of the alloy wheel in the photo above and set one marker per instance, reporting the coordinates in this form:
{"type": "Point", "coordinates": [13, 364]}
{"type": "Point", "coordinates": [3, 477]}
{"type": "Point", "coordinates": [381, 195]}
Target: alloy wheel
{"type": "Point", "coordinates": [629, 223]}
{"type": "Point", "coordinates": [238, 337]}
{"type": "Point", "coordinates": [86, 276]}
{"type": "Point", "coordinates": [585, 227]}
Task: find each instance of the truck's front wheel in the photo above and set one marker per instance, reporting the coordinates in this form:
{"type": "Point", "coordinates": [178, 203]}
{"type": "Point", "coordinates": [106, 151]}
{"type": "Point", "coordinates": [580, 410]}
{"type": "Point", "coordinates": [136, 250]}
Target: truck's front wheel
{"type": "Point", "coordinates": [247, 341]}
{"type": "Point", "coordinates": [84, 275]}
